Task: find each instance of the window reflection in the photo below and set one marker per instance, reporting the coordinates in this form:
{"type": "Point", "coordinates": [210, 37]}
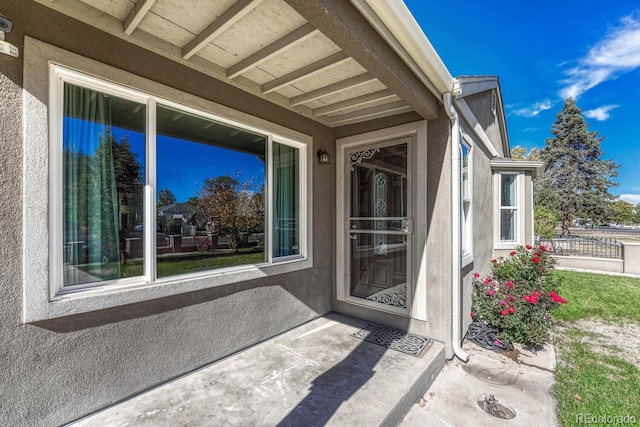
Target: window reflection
{"type": "Point", "coordinates": [103, 179]}
{"type": "Point", "coordinates": [213, 175]}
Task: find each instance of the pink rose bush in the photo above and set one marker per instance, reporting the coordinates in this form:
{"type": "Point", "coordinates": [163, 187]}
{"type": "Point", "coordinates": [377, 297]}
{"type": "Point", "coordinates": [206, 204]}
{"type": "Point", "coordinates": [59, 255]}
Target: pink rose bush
{"type": "Point", "coordinates": [518, 296]}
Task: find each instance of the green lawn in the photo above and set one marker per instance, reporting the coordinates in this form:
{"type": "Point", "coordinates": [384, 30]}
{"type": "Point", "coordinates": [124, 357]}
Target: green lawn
{"type": "Point", "coordinates": [171, 265]}
{"type": "Point", "coordinates": [611, 298]}
{"type": "Point", "coordinates": [593, 377]}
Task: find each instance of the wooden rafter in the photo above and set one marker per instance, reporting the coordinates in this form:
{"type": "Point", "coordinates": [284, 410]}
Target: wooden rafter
{"type": "Point", "coordinates": [279, 46]}
{"type": "Point", "coordinates": [331, 89]}
{"type": "Point", "coordinates": [307, 71]}
{"type": "Point", "coordinates": [354, 102]}
{"type": "Point", "coordinates": [140, 9]}
{"type": "Point", "coordinates": [377, 111]}
{"type": "Point", "coordinates": [220, 25]}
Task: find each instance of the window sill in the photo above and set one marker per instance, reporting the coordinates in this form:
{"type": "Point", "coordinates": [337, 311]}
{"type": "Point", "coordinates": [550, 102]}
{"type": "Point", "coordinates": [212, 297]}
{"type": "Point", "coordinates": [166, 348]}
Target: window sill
{"type": "Point", "coordinates": [507, 245]}
{"type": "Point", "coordinates": [40, 307]}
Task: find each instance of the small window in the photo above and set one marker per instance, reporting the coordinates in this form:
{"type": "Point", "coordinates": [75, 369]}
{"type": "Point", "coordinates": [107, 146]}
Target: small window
{"type": "Point", "coordinates": [466, 193]}
{"type": "Point", "coordinates": [509, 208]}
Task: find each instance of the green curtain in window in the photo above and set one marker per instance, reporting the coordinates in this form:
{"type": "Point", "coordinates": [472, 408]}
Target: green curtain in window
{"type": "Point", "coordinates": [90, 210]}
{"type": "Point", "coordinates": [287, 199]}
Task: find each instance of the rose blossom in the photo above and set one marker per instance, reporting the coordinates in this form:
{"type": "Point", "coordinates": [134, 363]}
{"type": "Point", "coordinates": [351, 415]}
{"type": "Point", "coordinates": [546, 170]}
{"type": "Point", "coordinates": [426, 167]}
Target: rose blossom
{"type": "Point", "coordinates": [503, 312]}
{"type": "Point", "coordinates": [529, 247]}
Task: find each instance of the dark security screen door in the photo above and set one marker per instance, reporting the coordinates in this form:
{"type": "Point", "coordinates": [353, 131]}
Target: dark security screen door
{"type": "Point", "coordinates": [379, 228]}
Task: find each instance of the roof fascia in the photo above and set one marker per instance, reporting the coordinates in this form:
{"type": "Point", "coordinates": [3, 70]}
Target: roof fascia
{"type": "Point", "coordinates": [398, 27]}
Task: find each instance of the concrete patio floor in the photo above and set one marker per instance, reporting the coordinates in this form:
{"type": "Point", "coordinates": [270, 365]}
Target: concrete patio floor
{"type": "Point", "coordinates": [314, 375]}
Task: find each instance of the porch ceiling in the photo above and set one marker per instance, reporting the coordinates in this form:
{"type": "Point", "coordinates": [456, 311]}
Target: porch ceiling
{"type": "Point", "coordinates": [264, 47]}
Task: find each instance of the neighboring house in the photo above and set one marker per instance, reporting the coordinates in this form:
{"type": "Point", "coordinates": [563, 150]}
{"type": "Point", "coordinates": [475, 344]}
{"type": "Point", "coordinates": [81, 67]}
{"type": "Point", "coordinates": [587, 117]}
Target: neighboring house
{"type": "Point", "coordinates": [186, 217]}
{"type": "Point", "coordinates": [419, 191]}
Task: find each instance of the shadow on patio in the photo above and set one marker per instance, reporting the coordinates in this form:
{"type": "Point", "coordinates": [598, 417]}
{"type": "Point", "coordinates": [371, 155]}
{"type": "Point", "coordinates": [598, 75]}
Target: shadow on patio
{"type": "Point", "coordinates": [314, 375]}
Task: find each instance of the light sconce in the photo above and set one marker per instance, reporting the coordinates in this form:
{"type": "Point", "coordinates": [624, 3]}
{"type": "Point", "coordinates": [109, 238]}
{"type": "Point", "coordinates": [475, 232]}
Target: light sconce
{"type": "Point", "coordinates": [324, 158]}
{"type": "Point", "coordinates": [6, 25]}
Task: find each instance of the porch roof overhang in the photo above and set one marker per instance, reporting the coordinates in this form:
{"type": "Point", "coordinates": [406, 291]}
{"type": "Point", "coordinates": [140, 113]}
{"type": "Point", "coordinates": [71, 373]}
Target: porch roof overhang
{"type": "Point", "coordinates": [509, 164]}
{"type": "Point", "coordinates": [333, 61]}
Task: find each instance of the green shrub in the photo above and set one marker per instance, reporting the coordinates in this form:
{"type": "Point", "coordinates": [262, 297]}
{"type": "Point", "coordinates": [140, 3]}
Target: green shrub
{"type": "Point", "coordinates": [544, 222]}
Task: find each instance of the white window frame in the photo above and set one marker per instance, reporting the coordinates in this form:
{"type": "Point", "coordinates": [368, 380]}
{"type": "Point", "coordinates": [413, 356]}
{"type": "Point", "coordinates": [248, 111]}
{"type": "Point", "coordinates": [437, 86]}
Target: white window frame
{"type": "Point", "coordinates": [44, 297]}
{"type": "Point", "coordinates": [519, 208]}
{"type": "Point", "coordinates": [466, 221]}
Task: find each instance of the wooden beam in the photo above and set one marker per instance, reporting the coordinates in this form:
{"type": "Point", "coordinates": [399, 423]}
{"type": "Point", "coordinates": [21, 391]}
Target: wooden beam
{"type": "Point", "coordinates": [306, 71]}
{"type": "Point", "coordinates": [138, 12]}
{"type": "Point", "coordinates": [349, 83]}
{"type": "Point", "coordinates": [377, 111]}
{"type": "Point", "coordinates": [294, 38]}
{"type": "Point", "coordinates": [354, 102]}
{"type": "Point", "coordinates": [220, 25]}
{"type": "Point", "coordinates": [342, 23]}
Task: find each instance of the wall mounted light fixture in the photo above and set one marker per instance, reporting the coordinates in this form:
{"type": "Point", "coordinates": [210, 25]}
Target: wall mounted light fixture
{"type": "Point", "coordinates": [6, 25]}
{"type": "Point", "coordinates": [324, 158]}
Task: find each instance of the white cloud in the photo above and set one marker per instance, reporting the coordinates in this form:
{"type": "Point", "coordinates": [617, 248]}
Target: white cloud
{"type": "Point", "coordinates": [534, 109]}
{"type": "Point", "coordinates": [600, 113]}
{"type": "Point", "coordinates": [631, 198]}
{"type": "Point", "coordinates": [617, 53]}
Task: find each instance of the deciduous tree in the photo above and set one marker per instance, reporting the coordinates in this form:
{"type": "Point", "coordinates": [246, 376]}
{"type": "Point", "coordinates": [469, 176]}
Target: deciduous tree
{"type": "Point", "coordinates": [233, 207]}
{"type": "Point", "coordinates": [622, 212]}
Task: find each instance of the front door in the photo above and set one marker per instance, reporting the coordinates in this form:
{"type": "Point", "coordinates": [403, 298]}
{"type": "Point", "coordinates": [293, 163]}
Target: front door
{"type": "Point", "coordinates": [378, 226]}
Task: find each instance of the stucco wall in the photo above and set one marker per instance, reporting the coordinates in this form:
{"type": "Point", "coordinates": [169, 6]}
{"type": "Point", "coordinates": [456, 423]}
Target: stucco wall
{"type": "Point", "coordinates": [483, 211]}
{"type": "Point", "coordinates": [438, 247]}
{"type": "Point", "coordinates": [480, 104]}
{"type": "Point", "coordinates": [56, 371]}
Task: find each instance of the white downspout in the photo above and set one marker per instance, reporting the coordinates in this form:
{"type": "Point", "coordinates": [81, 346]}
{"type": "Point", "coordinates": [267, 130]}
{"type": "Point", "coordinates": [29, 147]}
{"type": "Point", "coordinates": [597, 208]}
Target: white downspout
{"type": "Point", "coordinates": [456, 320]}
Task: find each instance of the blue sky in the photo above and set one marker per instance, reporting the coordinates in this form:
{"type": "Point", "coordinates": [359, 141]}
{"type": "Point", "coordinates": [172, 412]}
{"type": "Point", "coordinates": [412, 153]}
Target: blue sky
{"type": "Point", "coordinates": [543, 52]}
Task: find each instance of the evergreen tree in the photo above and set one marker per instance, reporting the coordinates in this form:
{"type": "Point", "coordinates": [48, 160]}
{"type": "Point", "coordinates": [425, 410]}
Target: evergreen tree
{"type": "Point", "coordinates": [166, 197]}
{"type": "Point", "coordinates": [576, 179]}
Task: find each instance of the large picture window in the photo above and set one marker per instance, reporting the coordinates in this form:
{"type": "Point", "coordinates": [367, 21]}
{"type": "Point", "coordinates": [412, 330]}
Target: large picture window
{"type": "Point", "coordinates": [149, 189]}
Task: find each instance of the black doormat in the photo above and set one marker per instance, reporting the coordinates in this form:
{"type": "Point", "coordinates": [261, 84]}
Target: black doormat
{"type": "Point", "coordinates": [394, 339]}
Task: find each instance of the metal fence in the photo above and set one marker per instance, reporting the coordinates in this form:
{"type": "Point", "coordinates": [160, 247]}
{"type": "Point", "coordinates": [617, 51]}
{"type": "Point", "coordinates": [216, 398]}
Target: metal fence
{"type": "Point", "coordinates": [585, 246]}
{"type": "Point", "coordinates": [188, 240]}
